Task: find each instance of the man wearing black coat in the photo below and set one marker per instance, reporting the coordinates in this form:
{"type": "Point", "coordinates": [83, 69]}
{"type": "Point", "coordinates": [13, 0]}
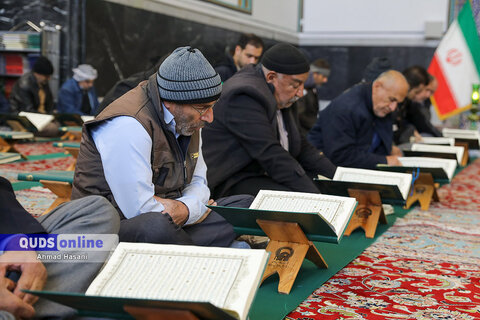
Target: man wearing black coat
{"type": "Point", "coordinates": [254, 142]}
{"type": "Point", "coordinates": [31, 93]}
{"type": "Point", "coordinates": [355, 130]}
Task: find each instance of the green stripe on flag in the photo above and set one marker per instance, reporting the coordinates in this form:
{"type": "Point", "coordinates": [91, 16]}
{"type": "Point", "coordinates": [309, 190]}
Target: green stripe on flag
{"type": "Point", "coordinates": [469, 30]}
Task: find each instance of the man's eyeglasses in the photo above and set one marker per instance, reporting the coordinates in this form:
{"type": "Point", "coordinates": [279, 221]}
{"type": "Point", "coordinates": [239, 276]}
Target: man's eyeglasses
{"type": "Point", "coordinates": [201, 111]}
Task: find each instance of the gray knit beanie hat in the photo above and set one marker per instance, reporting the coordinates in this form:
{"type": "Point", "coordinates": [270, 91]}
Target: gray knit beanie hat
{"type": "Point", "coordinates": [187, 77]}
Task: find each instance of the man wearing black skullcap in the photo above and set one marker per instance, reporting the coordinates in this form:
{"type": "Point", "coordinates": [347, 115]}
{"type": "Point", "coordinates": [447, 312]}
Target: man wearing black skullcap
{"type": "Point", "coordinates": [254, 142]}
{"type": "Point", "coordinates": [142, 153]}
{"type": "Point", "coordinates": [31, 93]}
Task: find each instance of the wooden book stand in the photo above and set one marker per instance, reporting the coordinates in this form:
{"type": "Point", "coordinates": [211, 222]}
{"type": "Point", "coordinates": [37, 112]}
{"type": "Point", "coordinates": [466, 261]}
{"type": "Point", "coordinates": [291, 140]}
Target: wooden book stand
{"type": "Point", "coordinates": [72, 136]}
{"type": "Point", "coordinates": [145, 313]}
{"type": "Point", "coordinates": [369, 211]}
{"type": "Point", "coordinates": [63, 191]}
{"type": "Point", "coordinates": [424, 191]}
{"type": "Point", "coordinates": [4, 145]}
{"type": "Point", "coordinates": [288, 247]}
{"type": "Point", "coordinates": [16, 126]}
{"type": "Point", "coordinates": [9, 147]}
{"type": "Point", "coordinates": [464, 161]}
{"type": "Point", "coordinates": [74, 152]}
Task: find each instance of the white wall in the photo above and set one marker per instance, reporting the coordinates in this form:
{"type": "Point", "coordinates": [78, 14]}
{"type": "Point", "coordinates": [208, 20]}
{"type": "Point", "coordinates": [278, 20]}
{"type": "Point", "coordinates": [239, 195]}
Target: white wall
{"type": "Point", "coordinates": [370, 22]}
{"type": "Point", "coordinates": [273, 19]}
{"type": "Point", "coordinates": [325, 22]}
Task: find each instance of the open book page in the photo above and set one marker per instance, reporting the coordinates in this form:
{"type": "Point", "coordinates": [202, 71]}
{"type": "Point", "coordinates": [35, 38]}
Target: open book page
{"type": "Point", "coordinates": [402, 180]}
{"type": "Point", "coordinates": [461, 133]}
{"type": "Point", "coordinates": [227, 278]}
{"type": "Point", "coordinates": [449, 165]}
{"type": "Point", "coordinates": [438, 140]}
{"type": "Point", "coordinates": [87, 118]}
{"type": "Point", "coordinates": [442, 149]}
{"type": "Point", "coordinates": [334, 209]}
{"type": "Point", "coordinates": [39, 120]}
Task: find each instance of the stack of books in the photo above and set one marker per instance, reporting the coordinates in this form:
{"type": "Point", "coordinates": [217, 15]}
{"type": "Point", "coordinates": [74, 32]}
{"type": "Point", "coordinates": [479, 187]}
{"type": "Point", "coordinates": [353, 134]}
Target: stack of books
{"type": "Point", "coordinates": [14, 41]}
{"type": "Point", "coordinates": [6, 157]}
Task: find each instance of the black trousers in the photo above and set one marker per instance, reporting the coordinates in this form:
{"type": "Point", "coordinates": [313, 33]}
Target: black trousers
{"type": "Point", "coordinates": [254, 184]}
{"type": "Point", "coordinates": [156, 227]}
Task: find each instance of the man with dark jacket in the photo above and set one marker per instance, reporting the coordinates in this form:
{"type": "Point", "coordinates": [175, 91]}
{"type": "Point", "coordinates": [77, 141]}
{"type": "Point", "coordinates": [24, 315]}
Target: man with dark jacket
{"type": "Point", "coordinates": [143, 153]}
{"type": "Point", "coordinates": [355, 130]}
{"type": "Point", "coordinates": [307, 107]}
{"type": "Point", "coordinates": [254, 142]}
{"type": "Point", "coordinates": [31, 93]}
{"type": "Point", "coordinates": [248, 50]}
{"type": "Point", "coordinates": [410, 120]}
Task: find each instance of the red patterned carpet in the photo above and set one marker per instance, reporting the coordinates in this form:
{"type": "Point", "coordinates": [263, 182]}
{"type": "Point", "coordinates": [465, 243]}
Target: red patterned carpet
{"type": "Point", "coordinates": [37, 148]}
{"type": "Point", "coordinates": [11, 170]}
{"type": "Point", "coordinates": [35, 200]}
{"type": "Point", "coordinates": [426, 266]}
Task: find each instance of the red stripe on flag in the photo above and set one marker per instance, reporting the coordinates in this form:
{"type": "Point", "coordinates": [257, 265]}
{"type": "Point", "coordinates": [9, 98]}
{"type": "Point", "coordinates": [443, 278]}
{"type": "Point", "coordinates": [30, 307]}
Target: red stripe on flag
{"type": "Point", "coordinates": [445, 102]}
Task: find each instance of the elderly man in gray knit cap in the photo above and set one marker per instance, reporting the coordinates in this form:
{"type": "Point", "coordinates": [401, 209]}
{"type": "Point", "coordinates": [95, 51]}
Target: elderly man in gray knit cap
{"type": "Point", "coordinates": [255, 142]}
{"type": "Point", "coordinates": [143, 153]}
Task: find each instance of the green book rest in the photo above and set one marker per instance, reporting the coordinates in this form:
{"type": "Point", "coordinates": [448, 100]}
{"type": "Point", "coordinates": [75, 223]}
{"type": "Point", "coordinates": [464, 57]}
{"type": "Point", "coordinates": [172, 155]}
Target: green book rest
{"type": "Point", "coordinates": [438, 174]}
{"type": "Point", "coordinates": [71, 129]}
{"type": "Point", "coordinates": [69, 144]}
{"type": "Point", "coordinates": [443, 155]}
{"type": "Point", "coordinates": [50, 175]}
{"type": "Point", "coordinates": [388, 193]}
{"type": "Point", "coordinates": [473, 144]}
{"type": "Point", "coordinates": [244, 221]}
{"type": "Point", "coordinates": [59, 182]}
{"type": "Point", "coordinates": [69, 119]}
{"type": "Point", "coordinates": [291, 233]}
{"type": "Point", "coordinates": [112, 307]}
{"type": "Point", "coordinates": [15, 135]}
{"type": "Point", "coordinates": [17, 123]}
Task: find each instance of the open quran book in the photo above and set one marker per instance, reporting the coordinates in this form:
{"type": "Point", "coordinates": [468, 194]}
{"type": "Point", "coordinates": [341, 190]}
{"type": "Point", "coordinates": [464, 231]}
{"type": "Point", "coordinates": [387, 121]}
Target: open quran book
{"type": "Point", "coordinates": [457, 151]}
{"type": "Point", "coordinates": [225, 277]}
{"type": "Point", "coordinates": [472, 137]}
{"type": "Point", "coordinates": [461, 133]}
{"type": "Point", "coordinates": [39, 120]}
{"type": "Point", "coordinates": [441, 169]}
{"type": "Point", "coordinates": [438, 140]}
{"type": "Point", "coordinates": [402, 181]}
{"type": "Point", "coordinates": [335, 211]}
{"type": "Point", "coordinates": [321, 217]}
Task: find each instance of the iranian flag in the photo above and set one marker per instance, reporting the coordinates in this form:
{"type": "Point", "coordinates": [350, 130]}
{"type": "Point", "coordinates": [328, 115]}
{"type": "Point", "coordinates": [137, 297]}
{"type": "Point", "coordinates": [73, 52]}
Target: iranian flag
{"type": "Point", "coordinates": [456, 65]}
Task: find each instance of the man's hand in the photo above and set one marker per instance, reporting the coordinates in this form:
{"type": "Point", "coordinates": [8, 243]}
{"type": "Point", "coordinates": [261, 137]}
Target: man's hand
{"type": "Point", "coordinates": [210, 202]}
{"type": "Point", "coordinates": [396, 151]}
{"type": "Point", "coordinates": [418, 136]}
{"type": "Point", "coordinates": [393, 161]}
{"type": "Point", "coordinates": [176, 209]}
{"type": "Point", "coordinates": [11, 303]}
{"type": "Point", "coordinates": [33, 277]}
